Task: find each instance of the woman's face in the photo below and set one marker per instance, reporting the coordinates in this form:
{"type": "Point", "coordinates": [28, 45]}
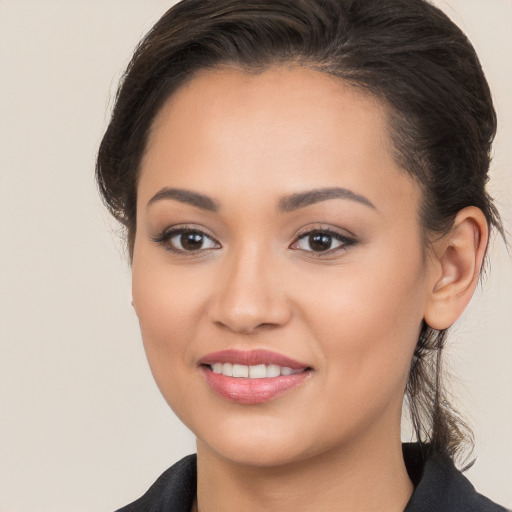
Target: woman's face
{"type": "Point", "coordinates": [276, 231]}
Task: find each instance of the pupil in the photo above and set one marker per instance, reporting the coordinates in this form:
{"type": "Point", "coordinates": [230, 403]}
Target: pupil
{"type": "Point", "coordinates": [320, 242]}
{"type": "Point", "coordinates": [191, 241]}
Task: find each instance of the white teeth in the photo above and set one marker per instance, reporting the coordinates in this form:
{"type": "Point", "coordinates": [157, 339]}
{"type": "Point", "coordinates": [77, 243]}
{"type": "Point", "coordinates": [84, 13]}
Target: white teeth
{"type": "Point", "coordinates": [240, 370]}
{"type": "Point", "coordinates": [259, 371]}
{"type": "Point", "coordinates": [273, 370]}
{"type": "Point", "coordinates": [227, 369]}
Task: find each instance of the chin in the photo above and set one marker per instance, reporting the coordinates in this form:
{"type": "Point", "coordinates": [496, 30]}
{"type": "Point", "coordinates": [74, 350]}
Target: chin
{"type": "Point", "coordinates": [256, 452]}
{"type": "Point", "coordinates": [270, 443]}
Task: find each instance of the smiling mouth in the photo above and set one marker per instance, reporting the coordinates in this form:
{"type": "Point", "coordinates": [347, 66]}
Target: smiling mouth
{"type": "Point", "coordinates": [252, 377]}
{"type": "Point", "coordinates": [258, 371]}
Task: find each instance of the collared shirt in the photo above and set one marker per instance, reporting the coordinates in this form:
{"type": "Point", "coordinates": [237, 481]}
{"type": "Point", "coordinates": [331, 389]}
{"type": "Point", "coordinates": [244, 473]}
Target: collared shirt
{"type": "Point", "coordinates": [439, 487]}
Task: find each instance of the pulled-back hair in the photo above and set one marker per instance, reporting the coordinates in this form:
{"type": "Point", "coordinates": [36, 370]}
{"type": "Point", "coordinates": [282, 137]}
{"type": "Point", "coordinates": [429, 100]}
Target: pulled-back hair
{"type": "Point", "coordinates": [407, 53]}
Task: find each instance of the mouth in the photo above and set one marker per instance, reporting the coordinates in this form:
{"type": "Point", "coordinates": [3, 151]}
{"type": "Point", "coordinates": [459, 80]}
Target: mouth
{"type": "Point", "coordinates": [258, 371]}
{"type": "Point", "coordinates": [252, 377]}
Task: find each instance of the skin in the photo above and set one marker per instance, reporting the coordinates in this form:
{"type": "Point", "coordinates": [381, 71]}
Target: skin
{"type": "Point", "coordinates": [352, 314]}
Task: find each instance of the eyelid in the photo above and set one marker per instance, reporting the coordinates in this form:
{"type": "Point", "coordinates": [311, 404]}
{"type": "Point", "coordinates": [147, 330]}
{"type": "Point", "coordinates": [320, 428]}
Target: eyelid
{"type": "Point", "coordinates": [325, 228]}
{"type": "Point", "coordinates": [171, 231]}
{"type": "Point", "coordinates": [347, 239]}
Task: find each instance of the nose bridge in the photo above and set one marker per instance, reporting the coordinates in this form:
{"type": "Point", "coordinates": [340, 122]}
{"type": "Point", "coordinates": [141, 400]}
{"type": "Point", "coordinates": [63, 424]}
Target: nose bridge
{"type": "Point", "coordinates": [249, 294]}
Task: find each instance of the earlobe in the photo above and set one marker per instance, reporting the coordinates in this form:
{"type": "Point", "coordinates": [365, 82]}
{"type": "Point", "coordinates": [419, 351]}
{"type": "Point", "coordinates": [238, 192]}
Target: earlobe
{"type": "Point", "coordinates": [134, 309]}
{"type": "Point", "coordinates": [459, 256]}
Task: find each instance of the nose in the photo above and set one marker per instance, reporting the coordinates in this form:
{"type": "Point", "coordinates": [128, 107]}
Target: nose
{"type": "Point", "coordinates": [250, 296]}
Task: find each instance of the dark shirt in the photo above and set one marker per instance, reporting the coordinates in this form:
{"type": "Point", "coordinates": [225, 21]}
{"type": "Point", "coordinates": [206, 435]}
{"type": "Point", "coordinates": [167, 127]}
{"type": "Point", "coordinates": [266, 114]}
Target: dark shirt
{"type": "Point", "coordinates": [439, 487]}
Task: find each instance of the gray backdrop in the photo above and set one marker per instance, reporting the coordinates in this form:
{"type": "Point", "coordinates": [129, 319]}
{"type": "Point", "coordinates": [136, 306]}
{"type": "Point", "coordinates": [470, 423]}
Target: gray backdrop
{"type": "Point", "coordinates": [82, 425]}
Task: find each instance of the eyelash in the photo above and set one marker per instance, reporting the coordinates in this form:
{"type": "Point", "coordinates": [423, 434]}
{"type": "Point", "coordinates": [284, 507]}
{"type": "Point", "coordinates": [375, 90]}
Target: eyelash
{"type": "Point", "coordinates": [345, 241]}
{"type": "Point", "coordinates": [167, 235]}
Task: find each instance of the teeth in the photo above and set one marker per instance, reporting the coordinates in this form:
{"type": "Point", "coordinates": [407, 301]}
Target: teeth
{"type": "Point", "coordinates": [273, 370]}
{"type": "Point", "coordinates": [259, 371]}
{"type": "Point", "coordinates": [240, 370]}
{"type": "Point", "coordinates": [227, 369]}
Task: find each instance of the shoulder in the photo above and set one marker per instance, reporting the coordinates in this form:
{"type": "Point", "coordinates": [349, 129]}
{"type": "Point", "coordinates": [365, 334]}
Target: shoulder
{"type": "Point", "coordinates": [441, 487]}
{"type": "Point", "coordinates": [174, 490]}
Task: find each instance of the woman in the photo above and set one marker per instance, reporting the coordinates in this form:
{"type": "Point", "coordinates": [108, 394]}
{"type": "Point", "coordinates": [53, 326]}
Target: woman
{"type": "Point", "coordinates": [303, 188]}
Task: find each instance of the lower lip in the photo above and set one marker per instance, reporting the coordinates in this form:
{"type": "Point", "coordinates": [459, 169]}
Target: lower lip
{"type": "Point", "coordinates": [252, 391]}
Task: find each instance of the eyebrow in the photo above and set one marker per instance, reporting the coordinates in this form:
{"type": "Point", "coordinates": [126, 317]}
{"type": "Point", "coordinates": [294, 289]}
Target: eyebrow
{"type": "Point", "coordinates": [187, 197]}
{"type": "Point", "coordinates": [302, 199]}
{"type": "Point", "coordinates": [286, 204]}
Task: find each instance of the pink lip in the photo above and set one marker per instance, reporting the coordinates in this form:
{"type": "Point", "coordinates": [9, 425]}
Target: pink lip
{"type": "Point", "coordinates": [251, 358]}
{"type": "Point", "coordinates": [252, 391]}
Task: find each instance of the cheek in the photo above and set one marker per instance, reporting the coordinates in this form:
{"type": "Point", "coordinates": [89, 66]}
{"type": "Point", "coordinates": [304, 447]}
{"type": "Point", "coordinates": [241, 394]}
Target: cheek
{"type": "Point", "coordinates": [168, 298]}
{"type": "Point", "coordinates": [169, 310]}
{"type": "Point", "coordinates": [367, 324]}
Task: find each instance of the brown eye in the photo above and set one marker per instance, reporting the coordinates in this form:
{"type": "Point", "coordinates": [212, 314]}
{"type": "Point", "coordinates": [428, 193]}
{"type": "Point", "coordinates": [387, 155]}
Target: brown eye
{"type": "Point", "coordinates": [191, 241]}
{"type": "Point", "coordinates": [322, 241]}
{"type": "Point", "coordinates": [184, 240]}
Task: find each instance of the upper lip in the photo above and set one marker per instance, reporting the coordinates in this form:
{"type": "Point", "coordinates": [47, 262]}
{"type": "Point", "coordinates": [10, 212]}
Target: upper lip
{"type": "Point", "coordinates": [251, 358]}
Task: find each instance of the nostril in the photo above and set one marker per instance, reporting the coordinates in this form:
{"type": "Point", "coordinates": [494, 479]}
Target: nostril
{"type": "Point", "coordinates": [246, 326]}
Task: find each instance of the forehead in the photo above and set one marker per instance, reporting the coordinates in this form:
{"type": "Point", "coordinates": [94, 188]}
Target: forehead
{"type": "Point", "coordinates": [282, 130]}
{"type": "Point", "coordinates": [292, 104]}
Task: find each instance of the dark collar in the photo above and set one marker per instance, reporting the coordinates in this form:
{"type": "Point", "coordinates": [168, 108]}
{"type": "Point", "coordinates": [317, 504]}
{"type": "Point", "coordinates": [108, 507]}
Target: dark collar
{"type": "Point", "coordinates": [439, 487]}
{"type": "Point", "coordinates": [174, 491]}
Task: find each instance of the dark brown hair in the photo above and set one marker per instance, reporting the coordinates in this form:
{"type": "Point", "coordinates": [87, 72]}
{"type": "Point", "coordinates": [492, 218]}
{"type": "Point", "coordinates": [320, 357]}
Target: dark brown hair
{"type": "Point", "coordinates": [405, 52]}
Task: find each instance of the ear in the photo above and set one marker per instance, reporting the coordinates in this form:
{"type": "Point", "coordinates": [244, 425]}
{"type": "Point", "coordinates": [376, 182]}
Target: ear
{"type": "Point", "coordinates": [457, 260]}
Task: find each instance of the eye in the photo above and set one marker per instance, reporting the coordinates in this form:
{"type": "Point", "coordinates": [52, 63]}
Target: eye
{"type": "Point", "coordinates": [186, 240]}
{"type": "Point", "coordinates": [322, 241]}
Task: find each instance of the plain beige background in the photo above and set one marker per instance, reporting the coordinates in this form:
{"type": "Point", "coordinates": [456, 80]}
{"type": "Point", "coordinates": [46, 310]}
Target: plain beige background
{"type": "Point", "coordinates": [82, 425]}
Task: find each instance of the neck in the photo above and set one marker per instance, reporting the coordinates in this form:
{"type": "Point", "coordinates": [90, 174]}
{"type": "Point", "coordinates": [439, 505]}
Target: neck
{"type": "Point", "coordinates": [349, 479]}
